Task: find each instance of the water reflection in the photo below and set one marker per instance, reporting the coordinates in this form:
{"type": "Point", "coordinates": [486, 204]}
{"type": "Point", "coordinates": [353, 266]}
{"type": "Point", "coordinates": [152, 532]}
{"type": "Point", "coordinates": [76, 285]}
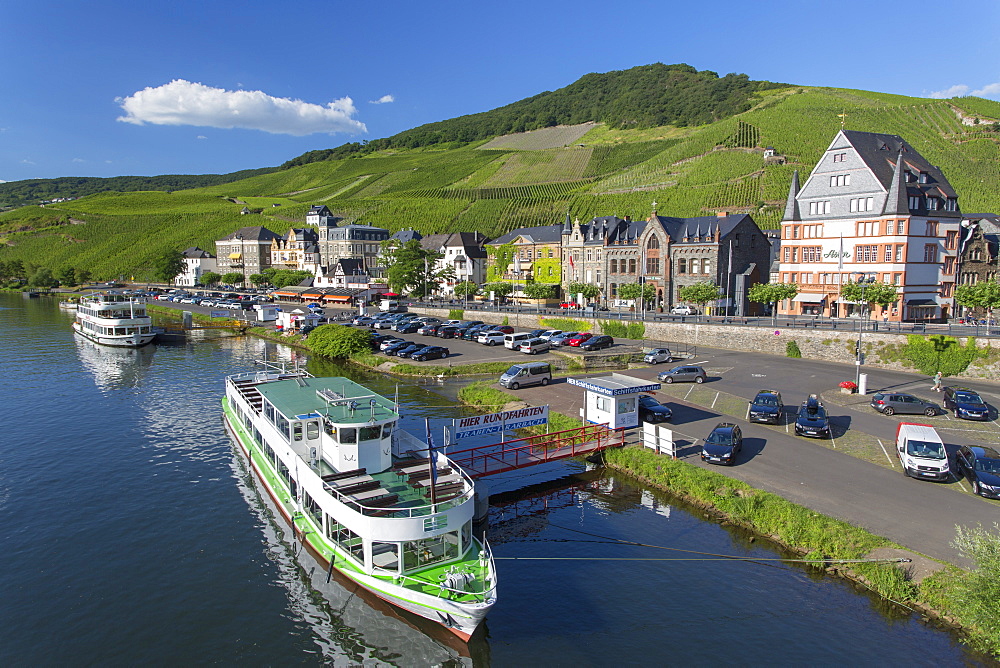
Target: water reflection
{"type": "Point", "coordinates": [114, 368]}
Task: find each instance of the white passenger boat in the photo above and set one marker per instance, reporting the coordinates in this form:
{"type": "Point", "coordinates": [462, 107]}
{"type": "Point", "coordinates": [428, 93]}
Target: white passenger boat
{"type": "Point", "coordinates": [113, 320]}
{"type": "Point", "coordinates": [362, 495]}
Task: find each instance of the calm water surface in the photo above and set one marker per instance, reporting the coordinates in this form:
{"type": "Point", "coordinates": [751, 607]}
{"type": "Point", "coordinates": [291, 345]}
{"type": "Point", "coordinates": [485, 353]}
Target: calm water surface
{"type": "Point", "coordinates": [130, 536]}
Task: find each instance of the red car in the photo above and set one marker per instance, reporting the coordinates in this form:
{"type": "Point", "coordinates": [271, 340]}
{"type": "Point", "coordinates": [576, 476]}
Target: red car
{"type": "Point", "coordinates": [569, 305]}
{"type": "Point", "coordinates": [578, 339]}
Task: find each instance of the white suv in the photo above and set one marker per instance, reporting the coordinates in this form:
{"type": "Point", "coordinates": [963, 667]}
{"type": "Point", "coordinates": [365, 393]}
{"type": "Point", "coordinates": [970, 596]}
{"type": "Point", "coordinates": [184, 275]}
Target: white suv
{"type": "Point", "coordinates": [491, 338]}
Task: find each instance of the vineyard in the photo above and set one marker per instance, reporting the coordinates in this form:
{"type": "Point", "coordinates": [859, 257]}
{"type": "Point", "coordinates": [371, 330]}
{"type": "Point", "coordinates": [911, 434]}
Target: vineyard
{"type": "Point", "coordinates": [689, 171]}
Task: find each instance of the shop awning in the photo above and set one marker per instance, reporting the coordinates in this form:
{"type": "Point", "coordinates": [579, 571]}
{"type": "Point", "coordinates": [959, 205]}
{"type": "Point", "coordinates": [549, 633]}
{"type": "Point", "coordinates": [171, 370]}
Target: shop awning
{"type": "Point", "coordinates": [312, 295]}
{"type": "Point", "coordinates": [337, 298]}
{"type": "Point", "coordinates": [811, 299]}
{"type": "Point", "coordinates": [285, 293]}
{"type": "Point", "coordinates": [921, 302]}
{"type": "Point", "coordinates": [236, 256]}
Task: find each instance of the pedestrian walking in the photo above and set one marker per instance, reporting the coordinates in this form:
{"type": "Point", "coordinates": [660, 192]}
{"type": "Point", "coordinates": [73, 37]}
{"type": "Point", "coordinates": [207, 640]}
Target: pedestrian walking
{"type": "Point", "coordinates": [937, 382]}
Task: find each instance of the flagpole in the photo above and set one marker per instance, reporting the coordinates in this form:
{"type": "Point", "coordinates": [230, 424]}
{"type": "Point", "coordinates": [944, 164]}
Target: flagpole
{"type": "Point", "coordinates": [729, 278]}
{"type": "Point", "coordinates": [431, 463]}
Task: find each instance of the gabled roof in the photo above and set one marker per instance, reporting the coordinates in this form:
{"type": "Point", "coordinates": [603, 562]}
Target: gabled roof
{"type": "Point", "coordinates": [880, 152]}
{"type": "Point", "coordinates": [255, 233]}
{"type": "Point", "coordinates": [404, 236]}
{"type": "Point", "coordinates": [196, 253]}
{"type": "Point", "coordinates": [700, 229]}
{"type": "Point", "coordinates": [470, 242]}
{"type": "Point", "coordinates": [348, 266]}
{"type": "Point", "coordinates": [627, 231]}
{"type": "Point", "coordinates": [319, 209]}
{"type": "Point", "coordinates": [539, 235]}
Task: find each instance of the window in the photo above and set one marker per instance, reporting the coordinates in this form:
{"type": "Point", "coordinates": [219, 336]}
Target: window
{"type": "Point", "coordinates": [868, 228]}
{"type": "Point", "coordinates": [867, 253]}
{"type": "Point", "coordinates": [949, 265]}
{"type": "Point", "coordinates": [951, 204]}
{"type": "Point", "coordinates": [839, 157]}
{"type": "Point", "coordinates": [899, 252]}
{"type": "Point", "coordinates": [795, 254]}
{"type": "Point", "coordinates": [840, 180]}
{"type": "Point", "coordinates": [819, 208]}
{"type": "Point", "coordinates": [922, 178]}
{"type": "Point", "coordinates": [631, 265]}
{"type": "Point", "coordinates": [385, 556]}
{"type": "Point", "coordinates": [862, 204]}
{"type": "Point", "coordinates": [950, 238]}
{"type": "Point", "coordinates": [888, 254]}
{"type": "Point", "coordinates": [915, 201]}
{"type": "Point", "coordinates": [652, 265]}
{"type": "Point", "coordinates": [653, 243]}
{"type": "Point", "coordinates": [787, 254]}
{"type": "Point", "coordinates": [932, 203]}
{"type": "Point", "coordinates": [590, 255]}
{"type": "Point", "coordinates": [695, 266]}
{"type": "Point", "coordinates": [421, 553]}
{"type": "Point", "coordinates": [930, 253]}
{"type": "Point", "coordinates": [932, 229]}
{"type": "Point", "coordinates": [614, 266]}
{"type": "Point", "coordinates": [550, 253]}
{"type": "Point", "coordinates": [706, 266]}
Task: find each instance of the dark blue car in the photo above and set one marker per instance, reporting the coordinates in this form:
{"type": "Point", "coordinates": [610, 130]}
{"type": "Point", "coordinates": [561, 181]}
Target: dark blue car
{"type": "Point", "coordinates": [966, 403]}
{"type": "Point", "coordinates": [430, 353]}
{"type": "Point", "coordinates": [812, 419]}
{"type": "Point", "coordinates": [396, 347]}
{"type": "Point", "coordinates": [651, 410]}
{"type": "Point", "coordinates": [766, 407]}
{"type": "Point", "coordinates": [409, 350]}
{"type": "Point", "coordinates": [980, 464]}
{"type": "Point", "coordinates": [723, 444]}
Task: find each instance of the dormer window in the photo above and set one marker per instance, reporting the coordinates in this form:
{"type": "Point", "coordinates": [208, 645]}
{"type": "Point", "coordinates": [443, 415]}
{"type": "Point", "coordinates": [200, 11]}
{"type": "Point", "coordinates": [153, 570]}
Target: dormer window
{"type": "Point", "coordinates": [951, 204]}
{"type": "Point", "coordinates": [922, 178]}
{"type": "Point", "coordinates": [915, 201]}
{"type": "Point", "coordinates": [932, 203]}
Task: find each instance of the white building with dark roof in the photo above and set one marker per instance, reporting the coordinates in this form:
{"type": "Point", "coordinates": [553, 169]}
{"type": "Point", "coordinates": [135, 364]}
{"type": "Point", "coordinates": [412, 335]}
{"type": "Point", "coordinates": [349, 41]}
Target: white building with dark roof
{"type": "Point", "coordinates": [196, 263]}
{"type": "Point", "coordinates": [872, 207]}
{"type": "Point", "coordinates": [464, 252]}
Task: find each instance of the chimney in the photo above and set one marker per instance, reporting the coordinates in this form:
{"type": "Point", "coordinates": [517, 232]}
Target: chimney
{"type": "Point", "coordinates": [721, 214]}
{"type": "Point", "coordinates": [627, 218]}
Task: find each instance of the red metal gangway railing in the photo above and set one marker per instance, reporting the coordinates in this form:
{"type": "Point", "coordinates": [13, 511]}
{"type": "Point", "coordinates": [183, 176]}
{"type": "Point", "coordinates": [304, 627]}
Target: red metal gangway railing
{"type": "Point", "coordinates": [486, 460]}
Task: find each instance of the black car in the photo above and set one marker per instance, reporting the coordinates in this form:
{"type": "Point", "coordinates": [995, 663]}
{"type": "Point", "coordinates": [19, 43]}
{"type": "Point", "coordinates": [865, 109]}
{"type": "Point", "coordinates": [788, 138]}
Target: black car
{"type": "Point", "coordinates": [966, 403]}
{"type": "Point", "coordinates": [473, 332]}
{"type": "Point", "coordinates": [766, 407]}
{"type": "Point", "coordinates": [430, 353]}
{"type": "Point", "coordinates": [812, 419]}
{"type": "Point", "coordinates": [597, 343]}
{"type": "Point", "coordinates": [409, 327]}
{"type": "Point", "coordinates": [448, 332]}
{"type": "Point", "coordinates": [396, 347]}
{"type": "Point", "coordinates": [723, 444]}
{"type": "Point", "coordinates": [429, 329]}
{"type": "Point", "coordinates": [409, 350]}
{"type": "Point", "coordinates": [980, 464]}
{"type": "Point", "coordinates": [535, 333]}
{"type": "Point", "coordinates": [650, 410]}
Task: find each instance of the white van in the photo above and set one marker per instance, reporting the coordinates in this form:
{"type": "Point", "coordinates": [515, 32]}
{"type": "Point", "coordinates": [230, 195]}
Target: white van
{"type": "Point", "coordinates": [514, 341]}
{"type": "Point", "coordinates": [921, 452]}
{"type": "Point", "coordinates": [389, 306]}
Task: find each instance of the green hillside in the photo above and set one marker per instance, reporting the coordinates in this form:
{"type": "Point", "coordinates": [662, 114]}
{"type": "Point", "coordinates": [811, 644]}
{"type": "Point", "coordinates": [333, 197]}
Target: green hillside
{"type": "Point", "coordinates": [688, 171]}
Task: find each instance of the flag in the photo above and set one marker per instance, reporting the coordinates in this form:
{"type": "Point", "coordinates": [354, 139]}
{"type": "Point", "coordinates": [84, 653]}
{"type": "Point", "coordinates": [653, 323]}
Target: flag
{"type": "Point", "coordinates": [517, 264]}
{"type": "Point", "coordinates": [571, 265]}
{"type": "Point", "coordinates": [729, 270]}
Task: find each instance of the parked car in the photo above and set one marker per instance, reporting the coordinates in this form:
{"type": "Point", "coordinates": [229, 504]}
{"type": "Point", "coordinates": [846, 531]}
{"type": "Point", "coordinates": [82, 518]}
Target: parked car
{"type": "Point", "coordinates": [597, 343]}
{"type": "Point", "coordinates": [429, 329]}
{"type": "Point", "coordinates": [472, 333]}
{"type": "Point", "coordinates": [408, 327]}
{"type": "Point", "coordinates": [530, 373]}
{"type": "Point", "coordinates": [506, 329]}
{"type": "Point", "coordinates": [430, 353]}
{"type": "Point", "coordinates": [447, 332]}
{"type": "Point", "coordinates": [766, 407]}
{"type": "Point", "coordinates": [980, 464]}
{"type": "Point", "coordinates": [812, 419]}
{"type": "Point", "coordinates": [362, 320]}
{"type": "Point", "coordinates": [535, 346]}
{"type": "Point", "coordinates": [651, 410]}
{"type": "Point", "coordinates": [410, 349]}
{"type": "Point", "coordinates": [549, 334]}
{"type": "Point", "coordinates": [683, 374]}
{"type": "Point", "coordinates": [514, 341]}
{"type": "Point", "coordinates": [966, 403]}
{"type": "Point", "coordinates": [389, 341]}
{"type": "Point", "coordinates": [561, 339]}
{"type": "Point", "coordinates": [684, 309]}
{"type": "Point", "coordinates": [569, 305]}
{"type": "Point", "coordinates": [491, 338]}
{"type": "Point", "coordinates": [890, 403]}
{"type": "Point", "coordinates": [657, 355]}
{"type": "Point", "coordinates": [394, 348]}
{"type": "Point", "coordinates": [921, 452]}
{"type": "Point", "coordinates": [723, 444]}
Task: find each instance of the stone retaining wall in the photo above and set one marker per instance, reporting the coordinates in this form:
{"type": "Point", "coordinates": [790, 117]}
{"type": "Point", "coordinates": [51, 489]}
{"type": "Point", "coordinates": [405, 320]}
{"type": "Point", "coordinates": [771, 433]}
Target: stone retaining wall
{"type": "Point", "coordinates": [820, 344]}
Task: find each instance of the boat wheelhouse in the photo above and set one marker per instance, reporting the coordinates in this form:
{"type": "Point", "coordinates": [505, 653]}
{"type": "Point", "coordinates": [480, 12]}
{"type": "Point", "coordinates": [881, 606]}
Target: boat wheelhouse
{"type": "Point", "coordinates": [362, 495]}
{"type": "Point", "coordinates": [113, 320]}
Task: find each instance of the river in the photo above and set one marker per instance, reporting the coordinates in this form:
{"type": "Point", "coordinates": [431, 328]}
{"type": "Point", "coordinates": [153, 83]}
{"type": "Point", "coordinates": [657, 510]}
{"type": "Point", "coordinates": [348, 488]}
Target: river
{"type": "Point", "coordinates": [131, 536]}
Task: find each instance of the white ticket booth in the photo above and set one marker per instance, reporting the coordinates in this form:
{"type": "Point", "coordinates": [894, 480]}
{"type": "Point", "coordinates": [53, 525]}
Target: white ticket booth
{"type": "Point", "coordinates": [613, 400]}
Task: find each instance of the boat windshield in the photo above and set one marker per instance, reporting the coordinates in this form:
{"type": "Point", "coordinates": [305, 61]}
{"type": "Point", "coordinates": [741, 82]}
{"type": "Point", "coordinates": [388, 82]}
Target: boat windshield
{"type": "Point", "coordinates": [925, 449]}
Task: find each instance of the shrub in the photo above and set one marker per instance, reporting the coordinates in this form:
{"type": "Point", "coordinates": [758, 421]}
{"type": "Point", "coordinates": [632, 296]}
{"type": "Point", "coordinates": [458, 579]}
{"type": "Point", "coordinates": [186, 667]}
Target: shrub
{"type": "Point", "coordinates": [456, 314]}
{"type": "Point", "coordinates": [978, 592]}
{"type": "Point", "coordinates": [338, 341]}
{"type": "Point", "coordinates": [792, 349]}
{"type": "Point", "coordinates": [506, 321]}
{"type": "Point", "coordinates": [565, 324]}
{"type": "Point", "coordinates": [623, 330]}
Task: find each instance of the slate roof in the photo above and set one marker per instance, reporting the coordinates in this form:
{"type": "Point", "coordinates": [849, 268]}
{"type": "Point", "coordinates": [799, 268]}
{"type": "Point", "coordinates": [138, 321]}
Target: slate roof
{"type": "Point", "coordinates": [404, 236]}
{"type": "Point", "coordinates": [541, 234]}
{"type": "Point", "coordinates": [196, 253]}
{"type": "Point", "coordinates": [255, 233]}
{"type": "Point", "coordinates": [627, 231]}
{"type": "Point", "coordinates": [349, 266]}
{"type": "Point", "coordinates": [700, 229]}
{"type": "Point", "coordinates": [470, 242]}
{"type": "Point", "coordinates": [880, 152]}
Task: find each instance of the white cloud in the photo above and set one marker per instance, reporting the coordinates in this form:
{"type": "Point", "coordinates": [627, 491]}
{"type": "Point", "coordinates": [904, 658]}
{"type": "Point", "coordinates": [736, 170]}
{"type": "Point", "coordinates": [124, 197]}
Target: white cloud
{"type": "Point", "coordinates": [383, 100]}
{"type": "Point", "coordinates": [201, 137]}
{"type": "Point", "coordinates": [959, 90]}
{"type": "Point", "coordinates": [182, 102]}
{"type": "Point", "coordinates": [27, 162]}
{"type": "Point", "coordinates": [78, 160]}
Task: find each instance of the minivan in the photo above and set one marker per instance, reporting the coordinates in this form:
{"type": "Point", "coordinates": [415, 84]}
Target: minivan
{"type": "Point", "coordinates": [921, 452]}
{"type": "Point", "coordinates": [522, 375]}
{"type": "Point", "coordinates": [514, 341]}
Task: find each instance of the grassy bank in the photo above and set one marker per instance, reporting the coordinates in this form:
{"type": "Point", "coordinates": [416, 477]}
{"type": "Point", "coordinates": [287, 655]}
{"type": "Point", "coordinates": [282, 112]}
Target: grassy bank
{"type": "Point", "coordinates": [953, 595]}
{"type": "Point", "coordinates": [483, 396]}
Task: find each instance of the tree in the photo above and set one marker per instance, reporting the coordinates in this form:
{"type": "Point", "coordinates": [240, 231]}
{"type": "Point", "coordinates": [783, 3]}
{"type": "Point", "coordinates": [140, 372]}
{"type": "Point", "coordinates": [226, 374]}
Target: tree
{"type": "Point", "coordinates": [500, 289]}
{"type": "Point", "coordinates": [338, 341]}
{"type": "Point", "coordinates": [644, 291]}
{"type": "Point", "coordinates": [411, 267]}
{"type": "Point", "coordinates": [233, 278]}
{"type": "Point", "coordinates": [258, 279]}
{"type": "Point", "coordinates": [67, 276]}
{"type": "Point", "coordinates": [978, 590]}
{"type": "Point", "coordinates": [699, 293]}
{"type": "Point", "coordinates": [210, 278]}
{"type": "Point", "coordinates": [772, 293]}
{"type": "Point", "coordinates": [540, 290]}
{"type": "Point", "coordinates": [82, 276]}
{"type": "Point", "coordinates": [985, 295]}
{"type": "Point", "coordinates": [167, 265]}
{"type": "Point", "coordinates": [42, 278]}
{"type": "Point", "coordinates": [589, 291]}
{"type": "Point", "coordinates": [466, 289]}
{"type": "Point", "coordinates": [870, 293]}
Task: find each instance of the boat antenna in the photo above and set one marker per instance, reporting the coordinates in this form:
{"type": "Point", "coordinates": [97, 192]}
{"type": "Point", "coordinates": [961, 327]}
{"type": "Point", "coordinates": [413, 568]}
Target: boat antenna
{"type": "Point", "coordinates": [395, 400]}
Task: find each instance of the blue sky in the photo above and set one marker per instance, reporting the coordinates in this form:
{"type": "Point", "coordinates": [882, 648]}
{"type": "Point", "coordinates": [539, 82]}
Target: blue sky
{"type": "Point", "coordinates": [109, 87]}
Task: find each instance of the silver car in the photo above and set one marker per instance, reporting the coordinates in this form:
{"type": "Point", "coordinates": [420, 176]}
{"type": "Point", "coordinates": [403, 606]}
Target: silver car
{"type": "Point", "coordinates": [561, 339]}
{"type": "Point", "coordinates": [657, 355]}
{"type": "Point", "coordinates": [683, 374]}
{"type": "Point", "coordinates": [535, 346]}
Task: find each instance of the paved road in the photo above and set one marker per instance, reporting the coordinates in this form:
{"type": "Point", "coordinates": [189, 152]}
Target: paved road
{"type": "Point", "coordinates": [917, 514]}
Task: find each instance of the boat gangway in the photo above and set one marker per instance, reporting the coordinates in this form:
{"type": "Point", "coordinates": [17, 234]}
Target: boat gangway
{"type": "Point", "coordinates": [520, 453]}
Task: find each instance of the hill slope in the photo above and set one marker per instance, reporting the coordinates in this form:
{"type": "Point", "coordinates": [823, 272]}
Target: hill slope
{"type": "Point", "coordinates": [688, 171]}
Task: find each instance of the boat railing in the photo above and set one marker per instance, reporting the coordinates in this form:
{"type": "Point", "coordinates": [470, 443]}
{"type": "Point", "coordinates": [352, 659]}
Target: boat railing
{"type": "Point", "coordinates": [483, 594]}
{"type": "Point", "coordinates": [393, 512]}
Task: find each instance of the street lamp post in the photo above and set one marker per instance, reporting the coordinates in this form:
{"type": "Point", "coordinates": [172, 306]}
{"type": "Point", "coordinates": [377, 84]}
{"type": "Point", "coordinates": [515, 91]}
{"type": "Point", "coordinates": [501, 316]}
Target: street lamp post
{"type": "Point", "coordinates": [863, 281]}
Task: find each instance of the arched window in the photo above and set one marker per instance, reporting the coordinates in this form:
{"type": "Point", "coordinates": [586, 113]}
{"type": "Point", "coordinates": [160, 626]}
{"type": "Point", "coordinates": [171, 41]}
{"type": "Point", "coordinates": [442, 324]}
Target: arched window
{"type": "Point", "coordinates": [706, 266]}
{"type": "Point", "coordinates": [653, 243]}
{"type": "Point", "coordinates": [614, 266]}
{"type": "Point", "coordinates": [694, 266]}
{"type": "Point", "coordinates": [682, 266]}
